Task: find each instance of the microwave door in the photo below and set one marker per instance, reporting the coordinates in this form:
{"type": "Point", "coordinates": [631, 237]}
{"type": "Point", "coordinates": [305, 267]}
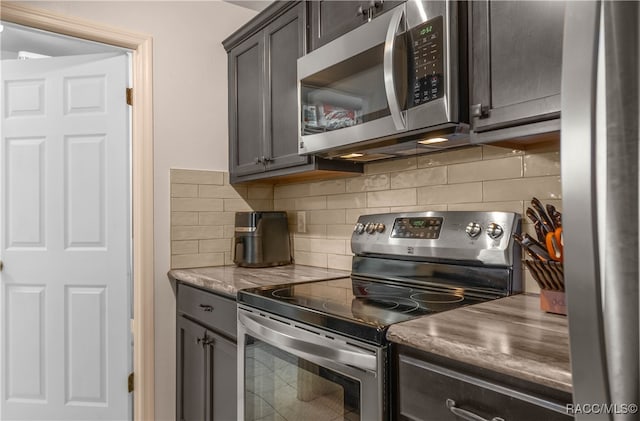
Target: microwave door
{"type": "Point", "coordinates": [344, 87]}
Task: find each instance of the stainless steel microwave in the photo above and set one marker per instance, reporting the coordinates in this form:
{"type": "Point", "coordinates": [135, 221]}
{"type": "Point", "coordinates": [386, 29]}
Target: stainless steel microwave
{"type": "Point", "coordinates": [395, 86]}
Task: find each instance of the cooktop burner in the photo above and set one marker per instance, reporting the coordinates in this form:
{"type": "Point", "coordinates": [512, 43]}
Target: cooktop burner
{"type": "Point", "coordinates": [360, 308]}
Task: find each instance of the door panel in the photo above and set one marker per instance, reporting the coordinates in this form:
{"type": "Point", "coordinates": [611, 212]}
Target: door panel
{"type": "Point", "coordinates": [86, 345]}
{"type": "Point", "coordinates": [65, 238]}
{"type": "Point", "coordinates": [516, 55]}
{"type": "Point", "coordinates": [247, 115]}
{"type": "Point", "coordinates": [192, 376]}
{"type": "Point", "coordinates": [84, 187]}
{"type": "Point", "coordinates": [284, 45]}
{"type": "Point", "coordinates": [25, 190]}
{"type": "Point", "coordinates": [25, 351]}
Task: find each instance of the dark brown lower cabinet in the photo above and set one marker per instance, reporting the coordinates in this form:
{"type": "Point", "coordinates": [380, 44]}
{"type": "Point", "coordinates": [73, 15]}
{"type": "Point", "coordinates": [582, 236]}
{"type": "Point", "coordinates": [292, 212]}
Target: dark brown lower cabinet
{"type": "Point", "coordinates": [205, 362]}
{"type": "Point", "coordinates": [430, 392]}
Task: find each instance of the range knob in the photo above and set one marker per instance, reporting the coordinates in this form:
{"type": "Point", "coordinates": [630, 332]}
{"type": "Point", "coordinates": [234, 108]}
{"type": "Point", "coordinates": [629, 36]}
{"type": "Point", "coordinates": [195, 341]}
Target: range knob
{"type": "Point", "coordinates": [380, 227]}
{"type": "Point", "coordinates": [473, 229]}
{"type": "Point", "coordinates": [359, 228]}
{"type": "Point", "coordinates": [370, 228]}
{"type": "Point", "coordinates": [494, 230]}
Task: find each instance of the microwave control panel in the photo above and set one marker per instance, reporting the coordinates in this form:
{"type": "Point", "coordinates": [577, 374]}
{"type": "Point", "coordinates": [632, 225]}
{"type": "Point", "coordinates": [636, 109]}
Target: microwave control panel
{"type": "Point", "coordinates": [426, 62]}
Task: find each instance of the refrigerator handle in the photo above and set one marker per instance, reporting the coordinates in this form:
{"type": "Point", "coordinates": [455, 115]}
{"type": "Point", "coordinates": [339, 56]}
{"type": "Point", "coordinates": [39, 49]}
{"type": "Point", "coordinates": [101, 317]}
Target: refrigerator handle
{"type": "Point", "coordinates": [581, 258]}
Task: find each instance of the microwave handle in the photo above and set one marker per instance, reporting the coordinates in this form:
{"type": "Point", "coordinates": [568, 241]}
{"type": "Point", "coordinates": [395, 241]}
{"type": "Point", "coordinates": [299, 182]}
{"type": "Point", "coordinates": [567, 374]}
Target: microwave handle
{"type": "Point", "coordinates": [389, 80]}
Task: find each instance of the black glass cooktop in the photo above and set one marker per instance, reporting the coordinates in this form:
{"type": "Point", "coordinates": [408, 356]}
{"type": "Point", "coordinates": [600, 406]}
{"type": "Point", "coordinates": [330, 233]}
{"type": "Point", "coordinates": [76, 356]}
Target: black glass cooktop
{"type": "Point", "coordinates": [362, 309]}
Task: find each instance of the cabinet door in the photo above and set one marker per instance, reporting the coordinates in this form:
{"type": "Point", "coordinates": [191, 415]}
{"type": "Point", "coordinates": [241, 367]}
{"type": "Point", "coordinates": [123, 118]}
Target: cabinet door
{"type": "Point", "coordinates": [431, 393]}
{"type": "Point", "coordinates": [222, 367]}
{"type": "Point", "coordinates": [284, 43]}
{"type": "Point", "coordinates": [192, 375]}
{"type": "Point", "coordinates": [246, 106]}
{"type": "Point", "coordinates": [516, 57]}
{"type": "Point", "coordinates": [328, 19]}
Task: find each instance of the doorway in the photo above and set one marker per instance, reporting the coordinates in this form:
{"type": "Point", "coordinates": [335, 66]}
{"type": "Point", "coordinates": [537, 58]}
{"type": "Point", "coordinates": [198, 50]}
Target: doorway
{"type": "Point", "coordinates": [142, 179]}
{"type": "Point", "coordinates": [65, 230]}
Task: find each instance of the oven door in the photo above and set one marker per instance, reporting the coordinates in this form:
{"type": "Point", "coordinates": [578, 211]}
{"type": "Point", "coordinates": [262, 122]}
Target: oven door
{"type": "Point", "coordinates": [292, 372]}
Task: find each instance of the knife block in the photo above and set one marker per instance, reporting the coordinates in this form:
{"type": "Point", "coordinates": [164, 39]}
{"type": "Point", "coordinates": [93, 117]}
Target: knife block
{"type": "Point", "coordinates": [550, 278]}
{"type": "Point", "coordinates": [553, 301]}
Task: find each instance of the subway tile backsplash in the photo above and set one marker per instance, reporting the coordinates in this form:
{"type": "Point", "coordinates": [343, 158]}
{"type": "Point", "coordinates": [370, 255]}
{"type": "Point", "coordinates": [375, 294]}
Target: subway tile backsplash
{"type": "Point", "coordinates": [203, 206]}
{"type": "Point", "coordinates": [472, 178]}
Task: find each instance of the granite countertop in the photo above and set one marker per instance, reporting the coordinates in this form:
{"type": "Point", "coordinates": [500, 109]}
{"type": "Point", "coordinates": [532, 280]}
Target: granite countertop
{"type": "Point", "coordinates": [228, 280]}
{"type": "Point", "coordinates": [510, 335]}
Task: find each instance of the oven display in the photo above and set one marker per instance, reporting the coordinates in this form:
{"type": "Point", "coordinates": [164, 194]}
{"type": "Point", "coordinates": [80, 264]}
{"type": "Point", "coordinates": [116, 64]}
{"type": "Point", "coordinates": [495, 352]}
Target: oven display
{"type": "Point", "coordinates": [426, 64]}
{"type": "Point", "coordinates": [427, 228]}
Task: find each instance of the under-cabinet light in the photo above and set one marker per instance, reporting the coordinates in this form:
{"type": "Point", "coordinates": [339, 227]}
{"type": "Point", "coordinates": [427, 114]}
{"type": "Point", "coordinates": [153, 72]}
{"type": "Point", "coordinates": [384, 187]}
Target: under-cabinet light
{"type": "Point", "coordinates": [432, 140]}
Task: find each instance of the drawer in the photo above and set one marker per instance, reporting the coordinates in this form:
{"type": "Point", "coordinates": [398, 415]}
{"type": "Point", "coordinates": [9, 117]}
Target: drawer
{"type": "Point", "coordinates": [432, 393]}
{"type": "Point", "coordinates": [212, 310]}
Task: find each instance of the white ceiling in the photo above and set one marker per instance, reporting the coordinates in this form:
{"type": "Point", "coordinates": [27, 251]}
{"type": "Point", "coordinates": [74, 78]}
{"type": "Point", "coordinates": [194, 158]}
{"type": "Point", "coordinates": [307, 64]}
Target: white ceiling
{"type": "Point", "coordinates": [14, 38]}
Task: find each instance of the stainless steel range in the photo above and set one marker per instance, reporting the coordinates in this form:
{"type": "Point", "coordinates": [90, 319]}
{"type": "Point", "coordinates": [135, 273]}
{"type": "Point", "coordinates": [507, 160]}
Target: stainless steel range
{"type": "Point", "coordinates": [317, 350]}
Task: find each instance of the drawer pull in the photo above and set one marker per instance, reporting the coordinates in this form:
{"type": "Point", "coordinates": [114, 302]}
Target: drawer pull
{"type": "Point", "coordinates": [205, 307]}
{"type": "Point", "coordinates": [467, 415]}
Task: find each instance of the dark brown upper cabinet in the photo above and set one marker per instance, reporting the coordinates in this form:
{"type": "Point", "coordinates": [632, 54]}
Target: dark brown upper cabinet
{"type": "Point", "coordinates": [516, 63]}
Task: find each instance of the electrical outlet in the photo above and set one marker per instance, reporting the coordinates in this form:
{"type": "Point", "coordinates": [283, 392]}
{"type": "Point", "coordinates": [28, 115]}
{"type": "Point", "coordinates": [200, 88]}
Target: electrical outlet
{"type": "Point", "coordinates": [302, 221]}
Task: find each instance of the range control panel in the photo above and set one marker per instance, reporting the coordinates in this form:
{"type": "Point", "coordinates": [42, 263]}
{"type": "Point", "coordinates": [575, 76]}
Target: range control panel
{"type": "Point", "coordinates": [426, 61]}
{"type": "Point", "coordinates": [419, 227]}
{"type": "Point", "coordinates": [446, 235]}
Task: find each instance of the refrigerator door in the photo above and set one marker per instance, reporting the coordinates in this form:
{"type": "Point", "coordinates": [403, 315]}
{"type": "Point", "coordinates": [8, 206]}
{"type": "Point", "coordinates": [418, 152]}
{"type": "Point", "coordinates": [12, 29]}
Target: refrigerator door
{"type": "Point", "coordinates": [601, 262]}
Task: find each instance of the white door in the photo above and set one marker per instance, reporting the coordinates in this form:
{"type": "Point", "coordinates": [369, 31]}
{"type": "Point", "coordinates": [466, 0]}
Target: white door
{"type": "Point", "coordinates": [65, 243]}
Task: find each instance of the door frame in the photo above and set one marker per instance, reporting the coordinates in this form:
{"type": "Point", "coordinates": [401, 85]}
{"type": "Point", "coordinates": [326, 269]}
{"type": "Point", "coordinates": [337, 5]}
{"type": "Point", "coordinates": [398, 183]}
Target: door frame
{"type": "Point", "coordinates": [142, 179]}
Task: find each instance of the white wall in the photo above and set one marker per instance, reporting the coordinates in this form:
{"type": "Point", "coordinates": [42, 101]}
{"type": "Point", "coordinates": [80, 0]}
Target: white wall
{"type": "Point", "coordinates": [190, 122]}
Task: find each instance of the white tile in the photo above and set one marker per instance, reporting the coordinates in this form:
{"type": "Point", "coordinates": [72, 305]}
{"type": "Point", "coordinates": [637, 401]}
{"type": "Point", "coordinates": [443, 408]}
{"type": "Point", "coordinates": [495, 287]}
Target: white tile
{"type": "Point", "coordinates": [217, 245]}
{"type": "Point", "coordinates": [400, 197]}
{"type": "Point", "coordinates": [339, 231]}
{"type": "Point", "coordinates": [184, 190]}
{"type": "Point", "coordinates": [338, 261]}
{"type": "Point", "coordinates": [348, 200]}
{"type": "Point", "coordinates": [184, 247]}
{"type": "Point", "coordinates": [453, 156]}
{"type": "Point", "coordinates": [216, 218]}
{"type": "Point", "coordinates": [522, 189]}
{"type": "Point", "coordinates": [324, 217]}
{"type": "Point", "coordinates": [418, 208]}
{"type": "Point", "coordinates": [354, 214]}
{"type": "Point", "coordinates": [184, 218]}
{"type": "Point", "coordinates": [264, 191]}
{"type": "Point", "coordinates": [495, 152]}
{"type": "Point", "coordinates": [419, 178]}
{"type": "Point", "coordinates": [542, 164]}
{"type": "Point", "coordinates": [197, 260]}
{"type": "Point", "coordinates": [368, 183]}
{"type": "Point", "coordinates": [451, 193]}
{"type": "Point", "coordinates": [222, 192]}
{"type": "Point", "coordinates": [393, 165]}
{"type": "Point", "coordinates": [311, 259]}
{"type": "Point", "coordinates": [200, 232]}
{"type": "Point", "coordinates": [494, 169]}
{"type": "Point", "coordinates": [320, 245]}
{"type": "Point", "coordinates": [512, 206]}
{"type": "Point", "coordinates": [195, 204]}
{"type": "Point", "coordinates": [310, 203]}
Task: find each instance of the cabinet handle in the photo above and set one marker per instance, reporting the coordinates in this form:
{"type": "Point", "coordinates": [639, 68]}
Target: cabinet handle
{"type": "Point", "coordinates": [467, 415]}
{"type": "Point", "coordinates": [205, 307]}
{"type": "Point", "coordinates": [257, 160]}
{"type": "Point", "coordinates": [479, 111]}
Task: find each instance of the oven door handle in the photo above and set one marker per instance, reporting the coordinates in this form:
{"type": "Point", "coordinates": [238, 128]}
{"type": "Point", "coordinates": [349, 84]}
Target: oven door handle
{"type": "Point", "coordinates": [287, 338]}
{"type": "Point", "coordinates": [389, 79]}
